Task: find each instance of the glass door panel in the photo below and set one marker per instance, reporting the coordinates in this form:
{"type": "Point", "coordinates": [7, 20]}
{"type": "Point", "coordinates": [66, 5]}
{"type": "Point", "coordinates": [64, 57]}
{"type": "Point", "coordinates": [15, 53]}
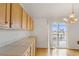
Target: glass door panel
{"type": "Point", "coordinates": [58, 35]}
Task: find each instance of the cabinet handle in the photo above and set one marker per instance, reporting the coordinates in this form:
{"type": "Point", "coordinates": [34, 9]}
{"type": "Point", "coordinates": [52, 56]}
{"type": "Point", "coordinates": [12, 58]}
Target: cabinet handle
{"type": "Point", "coordinates": [10, 15]}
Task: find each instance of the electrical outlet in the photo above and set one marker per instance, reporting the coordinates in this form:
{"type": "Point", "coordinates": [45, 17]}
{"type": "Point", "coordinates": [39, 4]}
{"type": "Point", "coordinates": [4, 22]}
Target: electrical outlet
{"type": "Point", "coordinates": [77, 42]}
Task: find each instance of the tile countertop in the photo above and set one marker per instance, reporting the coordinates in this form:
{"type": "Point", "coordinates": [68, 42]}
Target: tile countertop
{"type": "Point", "coordinates": [16, 48]}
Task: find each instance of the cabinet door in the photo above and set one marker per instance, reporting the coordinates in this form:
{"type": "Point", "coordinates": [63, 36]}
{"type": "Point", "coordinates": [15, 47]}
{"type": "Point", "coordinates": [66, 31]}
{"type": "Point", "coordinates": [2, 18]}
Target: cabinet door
{"type": "Point", "coordinates": [33, 46]}
{"type": "Point", "coordinates": [16, 16]}
{"type": "Point", "coordinates": [27, 52]}
{"type": "Point", "coordinates": [24, 20]}
{"type": "Point", "coordinates": [7, 21]}
{"type": "Point", "coordinates": [30, 24]}
{"type": "Point", "coordinates": [2, 14]}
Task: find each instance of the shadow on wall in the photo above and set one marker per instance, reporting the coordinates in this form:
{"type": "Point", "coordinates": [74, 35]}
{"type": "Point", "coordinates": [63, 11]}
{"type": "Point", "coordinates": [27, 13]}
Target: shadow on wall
{"type": "Point", "coordinates": [9, 36]}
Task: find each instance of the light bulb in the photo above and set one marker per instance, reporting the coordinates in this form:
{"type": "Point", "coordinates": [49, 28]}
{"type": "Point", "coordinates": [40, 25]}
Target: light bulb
{"type": "Point", "coordinates": [72, 22]}
{"type": "Point", "coordinates": [66, 20]}
{"type": "Point", "coordinates": [72, 15]}
{"type": "Point", "coordinates": [76, 19]}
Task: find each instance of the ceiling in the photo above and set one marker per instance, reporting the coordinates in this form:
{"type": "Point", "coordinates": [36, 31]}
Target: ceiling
{"type": "Point", "coordinates": [50, 10]}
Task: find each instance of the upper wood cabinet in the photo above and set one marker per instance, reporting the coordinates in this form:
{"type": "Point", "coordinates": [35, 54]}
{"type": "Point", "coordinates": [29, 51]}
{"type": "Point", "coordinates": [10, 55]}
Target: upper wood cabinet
{"type": "Point", "coordinates": [30, 23]}
{"type": "Point", "coordinates": [4, 15]}
{"type": "Point", "coordinates": [8, 20]}
{"type": "Point", "coordinates": [24, 20]}
{"type": "Point", "coordinates": [16, 16]}
{"type": "Point", "coordinates": [12, 15]}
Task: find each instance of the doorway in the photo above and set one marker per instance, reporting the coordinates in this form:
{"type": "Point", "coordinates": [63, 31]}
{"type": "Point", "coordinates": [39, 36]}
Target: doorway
{"type": "Point", "coordinates": [58, 39]}
{"type": "Point", "coordinates": [58, 35]}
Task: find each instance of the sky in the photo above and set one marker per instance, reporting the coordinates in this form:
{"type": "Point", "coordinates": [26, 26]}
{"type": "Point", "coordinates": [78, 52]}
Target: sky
{"type": "Point", "coordinates": [59, 26]}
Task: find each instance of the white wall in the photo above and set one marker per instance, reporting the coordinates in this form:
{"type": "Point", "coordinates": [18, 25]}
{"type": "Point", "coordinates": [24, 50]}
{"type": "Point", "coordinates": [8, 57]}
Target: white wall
{"type": "Point", "coordinates": [9, 36]}
{"type": "Point", "coordinates": [73, 35]}
{"type": "Point", "coordinates": [41, 31]}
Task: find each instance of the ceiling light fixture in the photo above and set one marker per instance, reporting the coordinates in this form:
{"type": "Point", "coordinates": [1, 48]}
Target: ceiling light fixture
{"type": "Point", "coordinates": [72, 18]}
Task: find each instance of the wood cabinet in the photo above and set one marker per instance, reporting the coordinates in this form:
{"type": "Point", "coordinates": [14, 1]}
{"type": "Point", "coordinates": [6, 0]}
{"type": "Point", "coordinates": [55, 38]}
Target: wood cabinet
{"type": "Point", "coordinates": [16, 16]}
{"type": "Point", "coordinates": [12, 15]}
{"type": "Point", "coordinates": [4, 14]}
{"type": "Point", "coordinates": [27, 52]}
{"type": "Point", "coordinates": [31, 50]}
{"type": "Point", "coordinates": [7, 21]}
{"type": "Point", "coordinates": [30, 23]}
{"type": "Point", "coordinates": [24, 20]}
{"type": "Point", "coordinates": [32, 46]}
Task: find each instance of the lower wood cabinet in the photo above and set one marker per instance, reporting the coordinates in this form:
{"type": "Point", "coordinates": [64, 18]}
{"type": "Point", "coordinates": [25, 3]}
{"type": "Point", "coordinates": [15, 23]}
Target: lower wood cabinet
{"type": "Point", "coordinates": [31, 50]}
{"type": "Point", "coordinates": [33, 47]}
{"type": "Point", "coordinates": [28, 51]}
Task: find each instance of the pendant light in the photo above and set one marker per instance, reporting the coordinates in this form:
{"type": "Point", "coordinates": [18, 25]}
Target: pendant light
{"type": "Point", "coordinates": [72, 18]}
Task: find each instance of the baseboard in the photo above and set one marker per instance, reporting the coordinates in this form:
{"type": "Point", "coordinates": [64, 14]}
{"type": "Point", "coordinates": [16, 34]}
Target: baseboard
{"type": "Point", "coordinates": [72, 49]}
{"type": "Point", "coordinates": [59, 48]}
